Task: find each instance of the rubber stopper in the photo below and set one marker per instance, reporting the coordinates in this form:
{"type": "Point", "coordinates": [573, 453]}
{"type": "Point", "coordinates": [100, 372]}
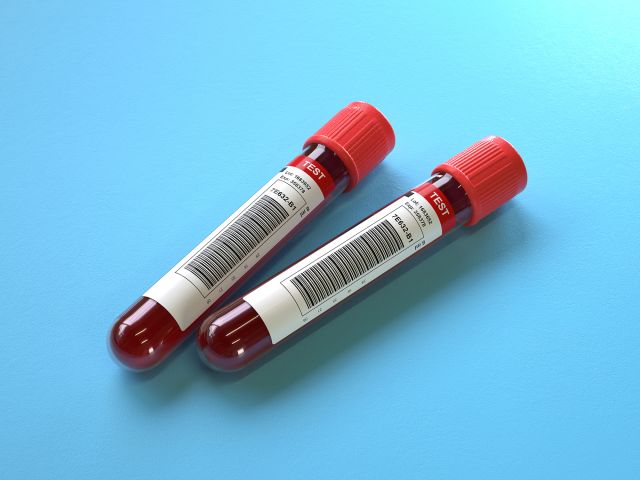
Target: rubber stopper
{"type": "Point", "coordinates": [360, 135]}
{"type": "Point", "coordinates": [491, 172]}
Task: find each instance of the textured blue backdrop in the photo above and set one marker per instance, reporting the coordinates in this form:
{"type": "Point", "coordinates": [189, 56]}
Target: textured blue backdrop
{"type": "Point", "coordinates": [128, 130]}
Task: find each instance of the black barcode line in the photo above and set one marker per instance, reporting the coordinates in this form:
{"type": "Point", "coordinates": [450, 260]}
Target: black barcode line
{"type": "Point", "coordinates": [347, 263]}
{"type": "Point", "coordinates": [237, 241]}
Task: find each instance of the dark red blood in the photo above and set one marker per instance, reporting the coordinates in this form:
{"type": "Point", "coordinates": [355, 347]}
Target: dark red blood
{"type": "Point", "coordinates": [235, 336]}
{"type": "Point", "coordinates": [145, 334]}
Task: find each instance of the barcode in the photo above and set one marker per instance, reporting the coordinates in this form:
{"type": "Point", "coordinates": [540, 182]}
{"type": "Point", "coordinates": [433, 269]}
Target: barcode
{"type": "Point", "coordinates": [237, 241]}
{"type": "Point", "coordinates": [347, 263]}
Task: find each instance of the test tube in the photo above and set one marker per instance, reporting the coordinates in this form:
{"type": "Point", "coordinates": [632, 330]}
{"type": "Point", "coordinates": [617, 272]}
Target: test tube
{"type": "Point", "coordinates": [334, 159]}
{"type": "Point", "coordinates": [461, 191]}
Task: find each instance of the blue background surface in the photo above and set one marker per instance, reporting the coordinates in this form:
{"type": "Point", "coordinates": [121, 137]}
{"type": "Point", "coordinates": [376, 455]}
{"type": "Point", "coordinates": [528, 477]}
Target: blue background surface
{"type": "Point", "coordinates": [129, 130]}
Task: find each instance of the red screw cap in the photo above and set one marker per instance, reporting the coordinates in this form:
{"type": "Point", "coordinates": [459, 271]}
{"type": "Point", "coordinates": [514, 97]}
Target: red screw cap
{"type": "Point", "coordinates": [360, 135]}
{"type": "Point", "coordinates": [491, 172]}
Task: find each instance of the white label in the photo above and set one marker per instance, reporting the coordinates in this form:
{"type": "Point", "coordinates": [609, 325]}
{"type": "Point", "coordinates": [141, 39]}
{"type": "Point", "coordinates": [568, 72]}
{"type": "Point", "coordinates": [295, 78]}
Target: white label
{"type": "Point", "coordinates": [221, 259]}
{"type": "Point", "coordinates": [346, 264]}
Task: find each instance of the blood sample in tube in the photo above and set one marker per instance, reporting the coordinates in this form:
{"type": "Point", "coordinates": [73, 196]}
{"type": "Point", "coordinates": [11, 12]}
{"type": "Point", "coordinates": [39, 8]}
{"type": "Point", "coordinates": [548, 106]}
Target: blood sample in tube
{"type": "Point", "coordinates": [461, 191]}
{"type": "Point", "coordinates": [333, 160]}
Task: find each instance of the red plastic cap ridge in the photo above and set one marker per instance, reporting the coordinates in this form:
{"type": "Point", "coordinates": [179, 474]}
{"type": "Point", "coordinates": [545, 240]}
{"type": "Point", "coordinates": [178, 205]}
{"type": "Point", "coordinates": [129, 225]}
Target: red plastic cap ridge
{"type": "Point", "coordinates": [360, 135]}
{"type": "Point", "coordinates": [491, 172]}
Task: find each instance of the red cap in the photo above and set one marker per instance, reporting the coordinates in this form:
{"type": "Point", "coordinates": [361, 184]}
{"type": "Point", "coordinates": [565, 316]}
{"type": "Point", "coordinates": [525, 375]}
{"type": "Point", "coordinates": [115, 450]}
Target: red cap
{"type": "Point", "coordinates": [360, 135]}
{"type": "Point", "coordinates": [491, 173]}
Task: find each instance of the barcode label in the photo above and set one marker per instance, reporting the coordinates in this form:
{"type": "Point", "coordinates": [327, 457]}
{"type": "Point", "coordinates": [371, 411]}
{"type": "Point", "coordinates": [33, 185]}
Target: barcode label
{"type": "Point", "coordinates": [222, 259]}
{"type": "Point", "coordinates": [344, 265]}
{"type": "Point", "coordinates": [235, 243]}
{"type": "Point", "coordinates": [348, 263]}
